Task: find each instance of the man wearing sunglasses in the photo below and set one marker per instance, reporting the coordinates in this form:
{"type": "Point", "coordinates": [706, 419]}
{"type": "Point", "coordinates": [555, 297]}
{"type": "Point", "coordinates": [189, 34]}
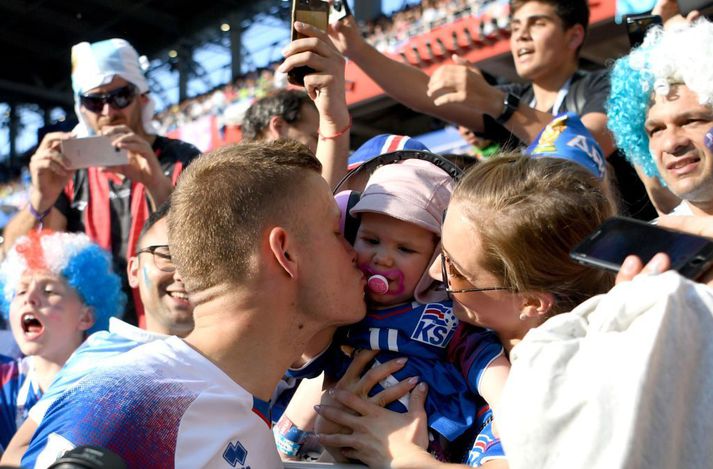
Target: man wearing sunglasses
{"type": "Point", "coordinates": [109, 204]}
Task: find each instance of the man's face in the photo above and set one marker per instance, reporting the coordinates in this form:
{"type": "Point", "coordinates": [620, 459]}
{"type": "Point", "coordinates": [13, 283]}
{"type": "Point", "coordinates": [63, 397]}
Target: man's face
{"type": "Point", "coordinates": [332, 285]}
{"type": "Point", "coordinates": [129, 116]}
{"type": "Point", "coordinates": [162, 293]}
{"type": "Point", "coordinates": [538, 42]}
{"type": "Point", "coordinates": [676, 125]}
{"type": "Point", "coordinates": [305, 129]}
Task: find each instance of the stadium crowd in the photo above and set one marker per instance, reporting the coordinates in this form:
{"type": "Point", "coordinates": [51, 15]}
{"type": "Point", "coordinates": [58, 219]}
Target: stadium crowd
{"type": "Point", "coordinates": [229, 102]}
{"type": "Point", "coordinates": [283, 300]}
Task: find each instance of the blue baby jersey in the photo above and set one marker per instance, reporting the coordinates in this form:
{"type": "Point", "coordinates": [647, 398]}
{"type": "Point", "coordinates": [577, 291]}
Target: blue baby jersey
{"type": "Point", "coordinates": [19, 391]}
{"type": "Point", "coordinates": [421, 333]}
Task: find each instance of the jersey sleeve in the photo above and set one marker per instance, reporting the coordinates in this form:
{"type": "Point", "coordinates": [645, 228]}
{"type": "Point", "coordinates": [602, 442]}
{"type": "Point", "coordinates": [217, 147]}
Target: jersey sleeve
{"type": "Point", "coordinates": [472, 351]}
{"type": "Point", "coordinates": [8, 390]}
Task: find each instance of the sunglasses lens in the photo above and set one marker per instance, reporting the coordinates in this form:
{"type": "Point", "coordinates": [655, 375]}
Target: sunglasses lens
{"type": "Point", "coordinates": [92, 103]}
{"type": "Point", "coordinates": [121, 98]}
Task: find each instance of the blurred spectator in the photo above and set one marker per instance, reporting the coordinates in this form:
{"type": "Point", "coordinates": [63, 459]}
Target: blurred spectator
{"type": "Point", "coordinates": [109, 204]}
{"type": "Point", "coordinates": [545, 43]}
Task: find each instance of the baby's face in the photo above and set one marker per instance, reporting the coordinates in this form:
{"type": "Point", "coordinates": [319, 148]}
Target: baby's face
{"type": "Point", "coordinates": [398, 250]}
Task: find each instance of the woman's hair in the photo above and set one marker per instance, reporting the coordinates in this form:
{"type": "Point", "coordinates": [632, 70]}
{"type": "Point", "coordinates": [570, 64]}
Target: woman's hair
{"type": "Point", "coordinates": [529, 214]}
{"type": "Point", "coordinates": [83, 264]}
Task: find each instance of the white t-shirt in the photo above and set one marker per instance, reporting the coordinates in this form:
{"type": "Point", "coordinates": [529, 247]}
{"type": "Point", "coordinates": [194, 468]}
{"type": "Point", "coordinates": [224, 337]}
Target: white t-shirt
{"type": "Point", "coordinates": [159, 405]}
{"type": "Point", "coordinates": [683, 209]}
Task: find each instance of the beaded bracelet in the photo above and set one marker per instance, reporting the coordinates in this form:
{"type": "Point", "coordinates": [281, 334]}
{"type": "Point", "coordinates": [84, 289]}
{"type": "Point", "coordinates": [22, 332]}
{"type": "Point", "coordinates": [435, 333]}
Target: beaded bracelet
{"type": "Point", "coordinates": [338, 134]}
{"type": "Point", "coordinates": [39, 216]}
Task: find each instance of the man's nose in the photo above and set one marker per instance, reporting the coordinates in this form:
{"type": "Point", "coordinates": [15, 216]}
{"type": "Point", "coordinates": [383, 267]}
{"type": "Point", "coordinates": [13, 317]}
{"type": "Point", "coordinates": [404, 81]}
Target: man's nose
{"type": "Point", "coordinates": [675, 142]}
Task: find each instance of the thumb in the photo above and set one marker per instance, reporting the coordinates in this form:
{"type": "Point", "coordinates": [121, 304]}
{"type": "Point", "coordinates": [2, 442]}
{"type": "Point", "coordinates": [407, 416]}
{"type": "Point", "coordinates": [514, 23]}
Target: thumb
{"type": "Point", "coordinates": [458, 60]}
{"type": "Point", "coordinates": [417, 399]}
{"type": "Point", "coordinates": [693, 16]}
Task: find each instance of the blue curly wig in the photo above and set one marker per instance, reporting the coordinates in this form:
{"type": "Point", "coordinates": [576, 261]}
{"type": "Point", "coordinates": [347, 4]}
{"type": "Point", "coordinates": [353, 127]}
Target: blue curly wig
{"type": "Point", "coordinates": [83, 264]}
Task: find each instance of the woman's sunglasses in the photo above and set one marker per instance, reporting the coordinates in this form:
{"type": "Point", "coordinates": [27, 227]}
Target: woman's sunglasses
{"type": "Point", "coordinates": [117, 99]}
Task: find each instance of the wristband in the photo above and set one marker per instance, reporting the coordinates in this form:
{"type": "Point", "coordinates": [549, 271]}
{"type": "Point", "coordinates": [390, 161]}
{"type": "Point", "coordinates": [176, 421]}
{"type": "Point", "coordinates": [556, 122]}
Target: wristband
{"type": "Point", "coordinates": [39, 216]}
{"type": "Point", "coordinates": [288, 437]}
{"type": "Point", "coordinates": [338, 134]}
{"type": "Point", "coordinates": [510, 103]}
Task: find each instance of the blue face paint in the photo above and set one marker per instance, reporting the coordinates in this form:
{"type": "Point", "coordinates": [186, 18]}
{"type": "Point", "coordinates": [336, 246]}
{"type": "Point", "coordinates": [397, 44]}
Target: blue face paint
{"type": "Point", "coordinates": [708, 140]}
{"type": "Point", "coordinates": [146, 278]}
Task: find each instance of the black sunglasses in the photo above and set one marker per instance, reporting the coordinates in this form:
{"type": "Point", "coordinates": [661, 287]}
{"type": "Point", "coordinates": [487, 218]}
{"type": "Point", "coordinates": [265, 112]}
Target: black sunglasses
{"type": "Point", "coordinates": [117, 99]}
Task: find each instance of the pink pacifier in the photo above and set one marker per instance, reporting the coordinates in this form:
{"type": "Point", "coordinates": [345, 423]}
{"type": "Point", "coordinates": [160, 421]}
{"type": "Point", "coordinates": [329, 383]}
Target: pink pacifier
{"type": "Point", "coordinates": [378, 284]}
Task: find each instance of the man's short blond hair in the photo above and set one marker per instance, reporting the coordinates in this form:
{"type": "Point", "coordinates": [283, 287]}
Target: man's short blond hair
{"type": "Point", "coordinates": [223, 202]}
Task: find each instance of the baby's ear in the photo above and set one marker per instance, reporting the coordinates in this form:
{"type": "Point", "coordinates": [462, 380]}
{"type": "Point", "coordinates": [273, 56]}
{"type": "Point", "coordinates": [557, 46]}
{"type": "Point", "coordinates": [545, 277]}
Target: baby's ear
{"type": "Point", "coordinates": [86, 319]}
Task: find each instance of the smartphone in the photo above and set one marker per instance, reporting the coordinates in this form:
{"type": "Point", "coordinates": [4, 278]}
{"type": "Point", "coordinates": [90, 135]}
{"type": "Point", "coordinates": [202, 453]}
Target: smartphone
{"type": "Point", "coordinates": [687, 6]}
{"type": "Point", "coordinates": [638, 25]}
{"type": "Point", "coordinates": [617, 237]}
{"type": "Point", "coordinates": [315, 13]}
{"type": "Point", "coordinates": [92, 152]}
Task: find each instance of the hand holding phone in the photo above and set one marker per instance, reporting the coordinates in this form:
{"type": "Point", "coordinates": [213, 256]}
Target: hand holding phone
{"type": "Point", "coordinates": [314, 13]}
{"type": "Point", "coordinates": [619, 237]}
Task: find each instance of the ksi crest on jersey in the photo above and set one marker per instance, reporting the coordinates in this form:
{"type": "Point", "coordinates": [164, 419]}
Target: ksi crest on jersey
{"type": "Point", "coordinates": [436, 325]}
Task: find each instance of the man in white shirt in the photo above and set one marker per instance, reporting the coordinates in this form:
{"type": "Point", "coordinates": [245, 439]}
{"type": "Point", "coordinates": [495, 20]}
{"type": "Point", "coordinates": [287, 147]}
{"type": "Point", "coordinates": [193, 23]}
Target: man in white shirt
{"type": "Point", "coordinates": [255, 233]}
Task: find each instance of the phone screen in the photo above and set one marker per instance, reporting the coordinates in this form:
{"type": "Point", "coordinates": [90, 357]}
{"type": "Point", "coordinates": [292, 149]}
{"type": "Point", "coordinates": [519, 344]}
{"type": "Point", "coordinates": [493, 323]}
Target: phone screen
{"type": "Point", "coordinates": [619, 237]}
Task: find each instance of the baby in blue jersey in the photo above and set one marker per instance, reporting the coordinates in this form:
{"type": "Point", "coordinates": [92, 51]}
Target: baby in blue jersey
{"type": "Point", "coordinates": [398, 239]}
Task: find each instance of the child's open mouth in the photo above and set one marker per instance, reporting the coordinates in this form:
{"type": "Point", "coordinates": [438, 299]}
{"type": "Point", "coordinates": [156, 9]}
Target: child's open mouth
{"type": "Point", "coordinates": [31, 326]}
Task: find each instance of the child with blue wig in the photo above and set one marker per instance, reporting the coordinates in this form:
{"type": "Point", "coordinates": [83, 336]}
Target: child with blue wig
{"type": "Point", "coordinates": [55, 289]}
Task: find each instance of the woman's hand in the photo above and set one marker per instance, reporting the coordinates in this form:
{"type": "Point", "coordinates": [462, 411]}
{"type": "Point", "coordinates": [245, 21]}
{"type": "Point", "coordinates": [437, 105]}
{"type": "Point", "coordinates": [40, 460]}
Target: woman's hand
{"type": "Point", "coordinates": [358, 383]}
{"type": "Point", "coordinates": [379, 437]}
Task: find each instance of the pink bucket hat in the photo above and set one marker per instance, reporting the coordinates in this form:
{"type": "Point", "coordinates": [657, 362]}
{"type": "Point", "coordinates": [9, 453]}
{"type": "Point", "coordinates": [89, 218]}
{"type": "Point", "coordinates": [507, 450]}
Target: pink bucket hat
{"type": "Point", "coordinates": [414, 191]}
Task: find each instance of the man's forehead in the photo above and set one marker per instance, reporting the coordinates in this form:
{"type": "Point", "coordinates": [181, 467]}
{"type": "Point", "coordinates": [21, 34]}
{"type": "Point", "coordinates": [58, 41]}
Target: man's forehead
{"type": "Point", "coordinates": [679, 100]}
{"type": "Point", "coordinates": [157, 234]}
{"type": "Point", "coordinates": [115, 83]}
{"type": "Point", "coordinates": [534, 10]}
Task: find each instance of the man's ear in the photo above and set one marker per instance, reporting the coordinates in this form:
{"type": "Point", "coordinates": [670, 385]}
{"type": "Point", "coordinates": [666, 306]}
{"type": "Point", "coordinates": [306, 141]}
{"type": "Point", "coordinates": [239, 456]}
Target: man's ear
{"type": "Point", "coordinates": [281, 245]}
{"type": "Point", "coordinates": [576, 36]}
{"type": "Point", "coordinates": [86, 318]}
{"type": "Point", "coordinates": [276, 128]}
{"type": "Point", "coordinates": [536, 304]}
{"type": "Point", "coordinates": [132, 271]}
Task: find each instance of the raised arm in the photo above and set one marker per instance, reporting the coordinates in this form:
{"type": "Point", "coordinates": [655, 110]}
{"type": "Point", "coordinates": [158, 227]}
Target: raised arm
{"type": "Point", "coordinates": [403, 82]}
{"type": "Point", "coordinates": [326, 88]}
{"type": "Point", "coordinates": [48, 168]}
